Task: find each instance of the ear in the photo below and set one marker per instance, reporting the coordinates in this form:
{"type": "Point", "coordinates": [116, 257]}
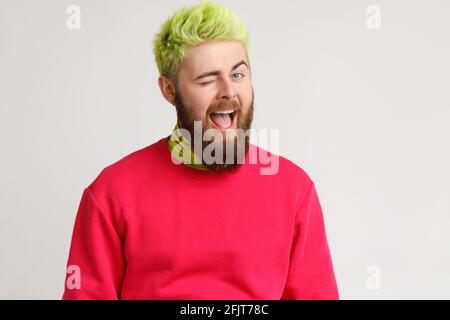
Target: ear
{"type": "Point", "coordinates": [167, 89]}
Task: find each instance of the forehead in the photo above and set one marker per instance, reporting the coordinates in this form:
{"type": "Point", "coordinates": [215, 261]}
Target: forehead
{"type": "Point", "coordinates": [213, 55]}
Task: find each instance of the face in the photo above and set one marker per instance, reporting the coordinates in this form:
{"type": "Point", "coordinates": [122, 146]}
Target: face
{"type": "Point", "coordinates": [215, 87]}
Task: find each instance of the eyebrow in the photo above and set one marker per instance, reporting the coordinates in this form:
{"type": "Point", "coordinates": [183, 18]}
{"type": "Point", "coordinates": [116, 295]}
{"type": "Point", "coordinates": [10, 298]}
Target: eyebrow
{"type": "Point", "coordinates": [216, 72]}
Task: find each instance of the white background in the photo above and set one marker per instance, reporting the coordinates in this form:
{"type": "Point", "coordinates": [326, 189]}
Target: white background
{"type": "Point", "coordinates": [364, 112]}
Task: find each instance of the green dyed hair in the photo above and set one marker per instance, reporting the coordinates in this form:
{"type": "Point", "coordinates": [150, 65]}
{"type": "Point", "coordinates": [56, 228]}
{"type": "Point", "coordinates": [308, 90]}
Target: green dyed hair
{"type": "Point", "coordinates": [191, 26]}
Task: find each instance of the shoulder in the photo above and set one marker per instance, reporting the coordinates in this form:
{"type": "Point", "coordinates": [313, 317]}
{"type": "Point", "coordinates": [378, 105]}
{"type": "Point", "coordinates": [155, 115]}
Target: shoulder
{"type": "Point", "coordinates": [278, 165]}
{"type": "Point", "coordinates": [127, 171]}
{"type": "Point", "coordinates": [287, 177]}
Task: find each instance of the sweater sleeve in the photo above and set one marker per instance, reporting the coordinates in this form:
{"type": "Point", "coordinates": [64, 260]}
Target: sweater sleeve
{"type": "Point", "coordinates": [311, 275]}
{"type": "Point", "coordinates": [96, 264]}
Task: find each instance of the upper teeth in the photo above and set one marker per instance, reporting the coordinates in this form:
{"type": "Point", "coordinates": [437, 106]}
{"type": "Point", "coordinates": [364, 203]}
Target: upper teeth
{"type": "Point", "coordinates": [225, 112]}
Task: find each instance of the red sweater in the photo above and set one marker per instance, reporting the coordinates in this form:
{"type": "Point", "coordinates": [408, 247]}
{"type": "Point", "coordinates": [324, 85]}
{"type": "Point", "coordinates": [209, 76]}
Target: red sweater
{"type": "Point", "coordinates": [147, 228]}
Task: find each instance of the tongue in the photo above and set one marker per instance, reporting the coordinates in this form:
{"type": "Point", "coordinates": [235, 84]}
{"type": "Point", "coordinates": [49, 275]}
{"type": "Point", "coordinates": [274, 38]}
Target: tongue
{"type": "Point", "coordinates": [221, 120]}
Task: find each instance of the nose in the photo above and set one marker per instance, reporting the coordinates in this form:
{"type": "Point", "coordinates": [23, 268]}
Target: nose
{"type": "Point", "coordinates": [226, 90]}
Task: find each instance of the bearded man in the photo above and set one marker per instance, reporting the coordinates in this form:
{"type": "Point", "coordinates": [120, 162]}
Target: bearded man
{"type": "Point", "coordinates": [194, 215]}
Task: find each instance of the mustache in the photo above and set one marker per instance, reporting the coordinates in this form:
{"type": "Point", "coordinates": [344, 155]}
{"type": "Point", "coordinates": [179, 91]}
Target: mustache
{"type": "Point", "coordinates": [224, 106]}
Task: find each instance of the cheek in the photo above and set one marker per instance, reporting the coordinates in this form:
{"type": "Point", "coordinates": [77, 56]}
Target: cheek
{"type": "Point", "coordinates": [198, 102]}
{"type": "Point", "coordinates": [246, 98]}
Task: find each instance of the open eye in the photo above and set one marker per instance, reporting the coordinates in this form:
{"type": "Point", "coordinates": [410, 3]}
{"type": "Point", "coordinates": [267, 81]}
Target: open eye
{"type": "Point", "coordinates": [238, 73]}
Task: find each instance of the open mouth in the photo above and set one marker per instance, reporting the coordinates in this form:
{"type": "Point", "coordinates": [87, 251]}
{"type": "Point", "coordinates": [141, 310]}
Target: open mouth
{"type": "Point", "coordinates": [223, 119]}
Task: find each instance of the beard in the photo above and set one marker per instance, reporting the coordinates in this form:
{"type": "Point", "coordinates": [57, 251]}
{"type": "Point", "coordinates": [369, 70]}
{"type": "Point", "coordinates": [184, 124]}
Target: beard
{"type": "Point", "coordinates": [232, 157]}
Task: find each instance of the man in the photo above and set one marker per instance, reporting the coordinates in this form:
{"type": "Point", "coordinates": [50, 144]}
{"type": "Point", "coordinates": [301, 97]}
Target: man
{"type": "Point", "coordinates": [185, 220]}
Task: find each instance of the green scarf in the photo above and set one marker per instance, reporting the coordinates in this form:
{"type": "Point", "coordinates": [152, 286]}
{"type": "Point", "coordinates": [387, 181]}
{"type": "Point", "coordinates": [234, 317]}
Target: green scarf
{"type": "Point", "coordinates": [181, 150]}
